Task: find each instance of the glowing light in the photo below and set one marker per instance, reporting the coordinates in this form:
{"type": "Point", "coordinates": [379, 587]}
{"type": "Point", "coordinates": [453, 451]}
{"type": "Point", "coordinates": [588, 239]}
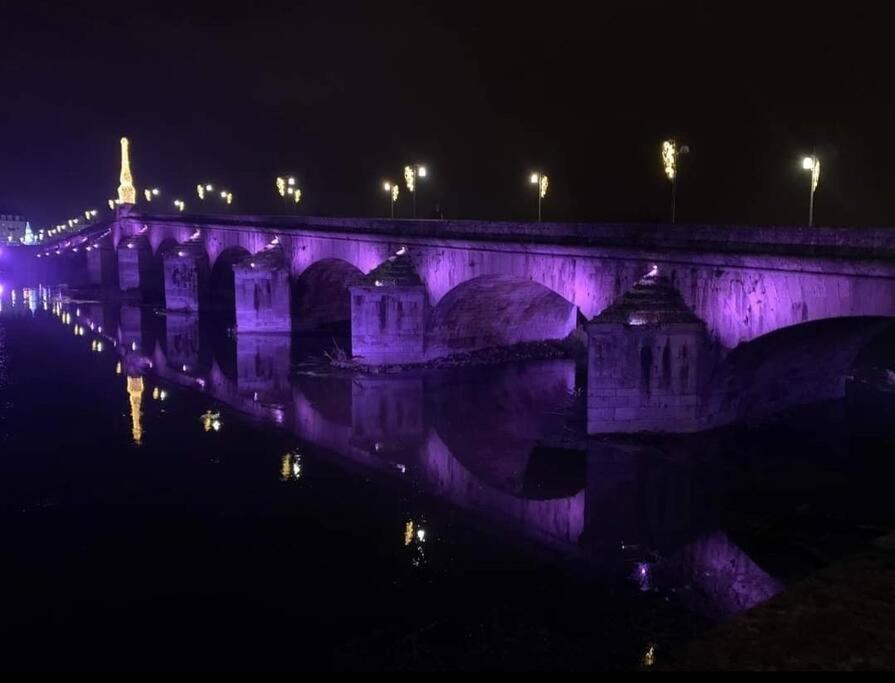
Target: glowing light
{"type": "Point", "coordinates": [535, 178]}
{"type": "Point", "coordinates": [396, 190]}
{"type": "Point", "coordinates": [387, 187]}
{"type": "Point", "coordinates": [545, 183]}
{"type": "Point", "coordinates": [649, 657]}
{"type": "Point", "coordinates": [812, 164]}
{"type": "Point", "coordinates": [291, 467]}
{"type": "Point", "coordinates": [133, 346]}
{"type": "Point", "coordinates": [148, 195]}
{"type": "Point", "coordinates": [281, 186]}
{"type": "Point", "coordinates": [291, 182]}
{"type": "Point", "coordinates": [200, 190]}
{"type": "Point", "coordinates": [669, 158]}
{"type": "Point", "coordinates": [111, 206]}
{"type": "Point", "coordinates": [211, 421]}
{"type": "Point", "coordinates": [410, 178]}
{"type": "Point", "coordinates": [180, 205]}
{"type": "Point", "coordinates": [135, 393]}
{"type": "Point", "coordinates": [408, 533]}
{"type": "Point", "coordinates": [654, 271]}
{"type": "Point", "coordinates": [401, 251]}
{"type": "Point", "coordinates": [127, 193]}
{"type": "Point", "coordinates": [296, 195]}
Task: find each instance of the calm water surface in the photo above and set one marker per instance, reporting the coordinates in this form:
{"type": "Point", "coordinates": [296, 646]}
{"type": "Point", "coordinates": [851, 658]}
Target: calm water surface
{"type": "Point", "coordinates": [175, 496]}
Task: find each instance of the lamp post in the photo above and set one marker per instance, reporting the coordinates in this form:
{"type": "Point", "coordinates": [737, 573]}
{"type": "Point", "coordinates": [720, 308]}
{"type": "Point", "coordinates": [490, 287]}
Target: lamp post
{"type": "Point", "coordinates": [393, 190]}
{"type": "Point", "coordinates": [151, 194]}
{"type": "Point", "coordinates": [670, 159]}
{"type": "Point", "coordinates": [202, 190]}
{"type": "Point", "coordinates": [294, 193]}
{"type": "Point", "coordinates": [286, 186]}
{"type": "Point", "coordinates": [179, 205]}
{"type": "Point", "coordinates": [411, 175]}
{"type": "Point", "coordinates": [541, 183]}
{"type": "Point", "coordinates": [812, 164]}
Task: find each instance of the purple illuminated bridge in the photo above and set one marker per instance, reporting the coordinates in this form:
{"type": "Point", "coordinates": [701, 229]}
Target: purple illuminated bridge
{"type": "Point", "coordinates": [655, 300]}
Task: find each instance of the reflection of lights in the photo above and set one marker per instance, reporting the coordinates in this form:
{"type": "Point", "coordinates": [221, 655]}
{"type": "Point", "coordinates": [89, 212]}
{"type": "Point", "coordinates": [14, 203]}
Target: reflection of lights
{"type": "Point", "coordinates": [211, 421]}
{"type": "Point", "coordinates": [415, 538]}
{"type": "Point", "coordinates": [291, 467]}
{"type": "Point", "coordinates": [649, 657]}
{"type": "Point", "coordinates": [654, 271]}
{"type": "Point", "coordinates": [135, 393]}
{"type": "Point", "coordinates": [133, 346]}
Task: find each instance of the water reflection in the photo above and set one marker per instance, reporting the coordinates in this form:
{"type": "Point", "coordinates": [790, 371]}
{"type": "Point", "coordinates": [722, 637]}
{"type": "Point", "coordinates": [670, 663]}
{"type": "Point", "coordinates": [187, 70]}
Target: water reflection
{"type": "Point", "coordinates": [482, 441]}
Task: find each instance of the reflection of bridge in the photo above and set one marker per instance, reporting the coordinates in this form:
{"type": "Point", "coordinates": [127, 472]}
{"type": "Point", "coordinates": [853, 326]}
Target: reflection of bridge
{"type": "Point", "coordinates": [475, 445]}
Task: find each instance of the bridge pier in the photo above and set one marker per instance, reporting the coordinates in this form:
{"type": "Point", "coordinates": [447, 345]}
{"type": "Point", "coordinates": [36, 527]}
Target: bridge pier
{"type": "Point", "coordinates": [263, 294]}
{"type": "Point", "coordinates": [135, 266]}
{"type": "Point", "coordinates": [102, 269]}
{"type": "Point", "coordinates": [648, 361]}
{"type": "Point", "coordinates": [186, 278]}
{"type": "Point", "coordinates": [388, 315]}
{"type": "Point", "coordinates": [262, 367]}
{"type": "Point", "coordinates": [387, 414]}
{"type": "Point", "coordinates": [182, 341]}
{"type": "Point", "coordinates": [136, 331]}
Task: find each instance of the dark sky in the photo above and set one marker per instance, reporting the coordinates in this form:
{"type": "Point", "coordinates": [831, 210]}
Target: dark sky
{"type": "Point", "coordinates": [343, 94]}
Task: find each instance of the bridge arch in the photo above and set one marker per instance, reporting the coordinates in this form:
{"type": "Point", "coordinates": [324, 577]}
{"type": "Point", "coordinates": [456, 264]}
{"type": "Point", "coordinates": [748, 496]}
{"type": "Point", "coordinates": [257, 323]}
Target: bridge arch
{"type": "Point", "coordinates": [496, 310]}
{"type": "Point", "coordinates": [794, 366]}
{"type": "Point", "coordinates": [321, 296]}
{"type": "Point", "coordinates": [222, 284]}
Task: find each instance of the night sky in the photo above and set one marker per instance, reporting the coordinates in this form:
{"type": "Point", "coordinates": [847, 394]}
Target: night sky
{"type": "Point", "coordinates": [344, 94]}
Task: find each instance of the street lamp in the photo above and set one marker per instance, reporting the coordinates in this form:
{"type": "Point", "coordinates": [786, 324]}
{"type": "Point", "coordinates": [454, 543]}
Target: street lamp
{"type": "Point", "coordinates": [670, 154]}
{"type": "Point", "coordinates": [180, 205]}
{"type": "Point", "coordinates": [286, 186]}
{"type": "Point", "coordinates": [393, 190]}
{"type": "Point", "coordinates": [411, 174]}
{"type": "Point", "coordinates": [150, 194]}
{"type": "Point", "coordinates": [812, 164]}
{"type": "Point", "coordinates": [203, 190]}
{"type": "Point", "coordinates": [294, 192]}
{"type": "Point", "coordinates": [227, 197]}
{"type": "Point", "coordinates": [541, 182]}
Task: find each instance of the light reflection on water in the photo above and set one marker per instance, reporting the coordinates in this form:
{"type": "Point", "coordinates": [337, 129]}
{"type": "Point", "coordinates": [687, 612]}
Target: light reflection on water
{"type": "Point", "coordinates": [504, 447]}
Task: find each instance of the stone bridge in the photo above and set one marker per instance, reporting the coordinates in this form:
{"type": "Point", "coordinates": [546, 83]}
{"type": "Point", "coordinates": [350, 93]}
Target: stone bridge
{"type": "Point", "coordinates": [661, 304]}
{"type": "Point", "coordinates": [415, 290]}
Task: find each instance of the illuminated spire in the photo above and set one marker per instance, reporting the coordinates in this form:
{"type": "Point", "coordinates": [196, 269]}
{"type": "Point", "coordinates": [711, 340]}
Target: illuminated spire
{"type": "Point", "coordinates": [135, 392]}
{"type": "Point", "coordinates": [127, 193]}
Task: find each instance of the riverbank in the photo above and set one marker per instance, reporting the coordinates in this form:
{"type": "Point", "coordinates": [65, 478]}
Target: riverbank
{"type": "Point", "coordinates": [839, 619]}
{"type": "Point", "coordinates": [570, 348]}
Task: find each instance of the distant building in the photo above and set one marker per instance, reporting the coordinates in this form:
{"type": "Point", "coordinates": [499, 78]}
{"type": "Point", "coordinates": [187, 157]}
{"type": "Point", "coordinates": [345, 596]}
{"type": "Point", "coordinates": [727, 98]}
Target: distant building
{"type": "Point", "coordinates": [14, 229]}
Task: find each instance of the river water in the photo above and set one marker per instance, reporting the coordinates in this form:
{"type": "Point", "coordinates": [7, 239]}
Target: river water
{"type": "Point", "coordinates": [174, 495]}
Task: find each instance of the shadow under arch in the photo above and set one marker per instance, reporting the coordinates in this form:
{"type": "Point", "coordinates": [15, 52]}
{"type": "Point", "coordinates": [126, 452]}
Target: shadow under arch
{"type": "Point", "coordinates": [794, 366]}
{"type": "Point", "coordinates": [321, 297]}
{"type": "Point", "coordinates": [222, 285]}
{"type": "Point", "coordinates": [497, 310]}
